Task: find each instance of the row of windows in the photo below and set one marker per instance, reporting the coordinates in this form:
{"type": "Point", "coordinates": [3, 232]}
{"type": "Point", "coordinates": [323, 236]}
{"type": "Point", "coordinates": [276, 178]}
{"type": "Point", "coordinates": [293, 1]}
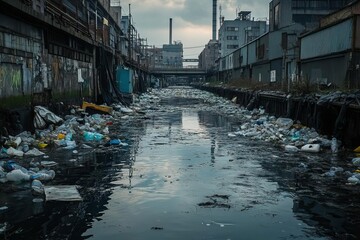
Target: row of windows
{"type": "Point", "coordinates": [232, 37]}
{"type": "Point", "coordinates": [319, 4]}
{"type": "Point", "coordinates": [69, 53]}
{"type": "Point", "coordinates": [232, 46]}
{"type": "Point", "coordinates": [232, 29]}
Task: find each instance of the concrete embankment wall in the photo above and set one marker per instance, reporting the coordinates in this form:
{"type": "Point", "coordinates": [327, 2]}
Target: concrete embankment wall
{"type": "Point", "coordinates": [339, 119]}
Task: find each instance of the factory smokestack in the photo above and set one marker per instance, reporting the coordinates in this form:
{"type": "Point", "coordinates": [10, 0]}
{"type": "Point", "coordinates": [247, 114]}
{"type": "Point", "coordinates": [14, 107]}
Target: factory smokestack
{"type": "Point", "coordinates": [214, 20]}
{"type": "Point", "coordinates": [170, 32]}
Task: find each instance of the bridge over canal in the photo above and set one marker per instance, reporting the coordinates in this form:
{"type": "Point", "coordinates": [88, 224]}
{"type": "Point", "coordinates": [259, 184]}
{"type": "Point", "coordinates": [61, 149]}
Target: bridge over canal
{"type": "Point", "coordinates": [178, 76]}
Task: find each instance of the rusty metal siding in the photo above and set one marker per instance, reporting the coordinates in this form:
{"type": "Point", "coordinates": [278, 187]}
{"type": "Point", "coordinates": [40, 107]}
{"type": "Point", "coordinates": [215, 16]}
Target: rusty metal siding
{"type": "Point", "coordinates": [337, 38]}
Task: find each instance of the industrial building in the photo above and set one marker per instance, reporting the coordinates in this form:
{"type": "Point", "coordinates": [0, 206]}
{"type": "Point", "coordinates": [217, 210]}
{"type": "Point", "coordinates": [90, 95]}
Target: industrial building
{"type": "Point", "coordinates": [235, 33]}
{"type": "Point", "coordinates": [274, 58]}
{"type": "Point", "coordinates": [330, 55]}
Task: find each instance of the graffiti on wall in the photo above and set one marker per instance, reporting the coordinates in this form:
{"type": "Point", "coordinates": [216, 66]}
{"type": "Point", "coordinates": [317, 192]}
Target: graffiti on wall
{"type": "Point", "coordinates": [64, 74]}
{"type": "Point", "coordinates": [11, 81]}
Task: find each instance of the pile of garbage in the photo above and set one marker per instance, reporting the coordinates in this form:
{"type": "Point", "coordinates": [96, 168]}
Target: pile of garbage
{"type": "Point", "coordinates": [25, 157]}
{"type": "Point", "coordinates": [256, 124]}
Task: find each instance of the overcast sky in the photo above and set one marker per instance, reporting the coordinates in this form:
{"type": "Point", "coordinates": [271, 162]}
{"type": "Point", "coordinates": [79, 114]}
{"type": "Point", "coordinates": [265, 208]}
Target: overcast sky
{"type": "Point", "coordinates": [192, 19]}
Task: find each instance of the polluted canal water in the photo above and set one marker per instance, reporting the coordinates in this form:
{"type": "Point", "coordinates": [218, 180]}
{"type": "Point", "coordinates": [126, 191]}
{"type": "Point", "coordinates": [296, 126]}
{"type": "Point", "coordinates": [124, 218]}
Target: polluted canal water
{"type": "Point", "coordinates": [185, 175]}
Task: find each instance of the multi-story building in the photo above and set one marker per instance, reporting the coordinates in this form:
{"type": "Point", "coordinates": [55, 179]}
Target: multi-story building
{"type": "Point", "coordinates": [172, 55]}
{"type": "Point", "coordinates": [155, 57]}
{"type": "Point", "coordinates": [209, 56]}
{"type": "Point", "coordinates": [288, 20]}
{"type": "Point", "coordinates": [308, 13]}
{"type": "Point", "coordinates": [235, 33]}
{"type": "Point", "coordinates": [273, 58]}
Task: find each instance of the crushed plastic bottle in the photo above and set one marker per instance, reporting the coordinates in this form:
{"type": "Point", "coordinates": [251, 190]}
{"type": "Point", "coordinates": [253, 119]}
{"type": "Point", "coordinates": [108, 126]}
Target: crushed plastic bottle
{"type": "Point", "coordinates": [334, 145]}
{"type": "Point", "coordinates": [286, 123]}
{"type": "Point", "coordinates": [43, 175]}
{"type": "Point", "coordinates": [313, 148]}
{"type": "Point", "coordinates": [14, 152]}
{"type": "Point", "coordinates": [17, 176]}
{"type": "Point", "coordinates": [12, 165]}
{"type": "Point", "coordinates": [291, 148]}
{"type": "Point", "coordinates": [37, 187]}
{"type": "Point", "coordinates": [356, 161]}
{"type": "Point", "coordinates": [115, 142]}
{"type": "Point", "coordinates": [91, 136]}
{"type": "Point", "coordinates": [3, 178]}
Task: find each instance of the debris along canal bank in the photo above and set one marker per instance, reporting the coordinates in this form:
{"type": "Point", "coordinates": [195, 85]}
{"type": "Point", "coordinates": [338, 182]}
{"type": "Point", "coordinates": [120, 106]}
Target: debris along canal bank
{"type": "Point", "coordinates": [180, 163]}
{"type": "Point", "coordinates": [336, 114]}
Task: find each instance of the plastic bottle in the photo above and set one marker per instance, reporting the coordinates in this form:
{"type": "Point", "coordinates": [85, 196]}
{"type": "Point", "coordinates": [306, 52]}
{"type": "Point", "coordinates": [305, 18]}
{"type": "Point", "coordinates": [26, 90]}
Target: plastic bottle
{"type": "Point", "coordinates": [68, 136]}
{"type": "Point", "coordinates": [25, 148]}
{"type": "Point", "coordinates": [14, 152]}
{"type": "Point", "coordinates": [88, 136]}
{"type": "Point", "coordinates": [2, 175]}
{"type": "Point", "coordinates": [37, 186]}
{"type": "Point", "coordinates": [43, 175]}
{"type": "Point", "coordinates": [115, 142]}
{"type": "Point", "coordinates": [12, 165]}
{"type": "Point", "coordinates": [17, 176]}
{"type": "Point", "coordinates": [98, 136]}
{"type": "Point", "coordinates": [334, 145]}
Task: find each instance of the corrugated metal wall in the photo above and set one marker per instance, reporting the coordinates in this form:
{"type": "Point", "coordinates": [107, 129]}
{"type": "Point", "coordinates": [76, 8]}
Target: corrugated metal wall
{"type": "Point", "coordinates": [252, 53]}
{"type": "Point", "coordinates": [334, 39]}
{"type": "Point", "coordinates": [325, 71]}
{"type": "Point", "coordinates": [261, 73]}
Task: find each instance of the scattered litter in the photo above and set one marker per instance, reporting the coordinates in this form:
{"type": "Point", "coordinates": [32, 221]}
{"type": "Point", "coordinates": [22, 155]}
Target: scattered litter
{"type": "Point", "coordinates": [353, 180]}
{"type": "Point", "coordinates": [44, 116]}
{"type": "Point", "coordinates": [357, 150]}
{"type": "Point", "coordinates": [48, 163]}
{"type": "Point", "coordinates": [17, 176]}
{"type": "Point", "coordinates": [37, 187]}
{"type": "Point", "coordinates": [313, 148]}
{"type": "Point", "coordinates": [290, 148]}
{"type": "Point", "coordinates": [3, 208]}
{"type": "Point", "coordinates": [356, 161]}
{"type": "Point", "coordinates": [99, 108]}
{"type": "Point", "coordinates": [43, 175]}
{"type": "Point", "coordinates": [14, 152]}
{"type": "Point", "coordinates": [62, 193]}
{"type": "Point", "coordinates": [333, 171]}
{"type": "Point", "coordinates": [34, 153]}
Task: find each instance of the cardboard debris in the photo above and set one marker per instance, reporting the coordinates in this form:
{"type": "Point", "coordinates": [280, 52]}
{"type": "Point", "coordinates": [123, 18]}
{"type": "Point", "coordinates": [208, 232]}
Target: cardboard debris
{"type": "Point", "coordinates": [62, 193]}
{"type": "Point", "coordinates": [100, 108]}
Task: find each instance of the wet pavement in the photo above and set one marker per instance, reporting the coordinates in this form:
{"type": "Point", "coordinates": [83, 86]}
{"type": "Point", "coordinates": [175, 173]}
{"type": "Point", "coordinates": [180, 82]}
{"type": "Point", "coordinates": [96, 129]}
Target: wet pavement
{"type": "Point", "coordinates": [183, 176]}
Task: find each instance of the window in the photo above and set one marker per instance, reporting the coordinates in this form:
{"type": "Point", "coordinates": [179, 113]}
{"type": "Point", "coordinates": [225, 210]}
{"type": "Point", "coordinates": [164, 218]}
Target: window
{"type": "Point", "coordinates": [232, 29]}
{"type": "Point", "coordinates": [260, 51]}
{"type": "Point", "coordinates": [232, 46]}
{"type": "Point", "coordinates": [276, 16]}
{"type": "Point", "coordinates": [232, 38]}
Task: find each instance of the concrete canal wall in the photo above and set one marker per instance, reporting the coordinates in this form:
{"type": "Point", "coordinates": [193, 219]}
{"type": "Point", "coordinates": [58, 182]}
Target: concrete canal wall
{"type": "Point", "coordinates": [335, 114]}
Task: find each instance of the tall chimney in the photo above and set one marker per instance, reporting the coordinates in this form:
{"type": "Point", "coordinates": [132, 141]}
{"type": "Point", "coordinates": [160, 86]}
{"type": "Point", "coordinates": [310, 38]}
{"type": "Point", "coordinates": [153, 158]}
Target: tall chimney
{"type": "Point", "coordinates": [214, 21]}
{"type": "Point", "coordinates": [170, 33]}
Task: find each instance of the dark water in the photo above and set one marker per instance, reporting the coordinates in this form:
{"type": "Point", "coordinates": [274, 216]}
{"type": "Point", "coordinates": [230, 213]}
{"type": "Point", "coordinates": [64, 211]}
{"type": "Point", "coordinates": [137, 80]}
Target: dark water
{"type": "Point", "coordinates": [183, 177]}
